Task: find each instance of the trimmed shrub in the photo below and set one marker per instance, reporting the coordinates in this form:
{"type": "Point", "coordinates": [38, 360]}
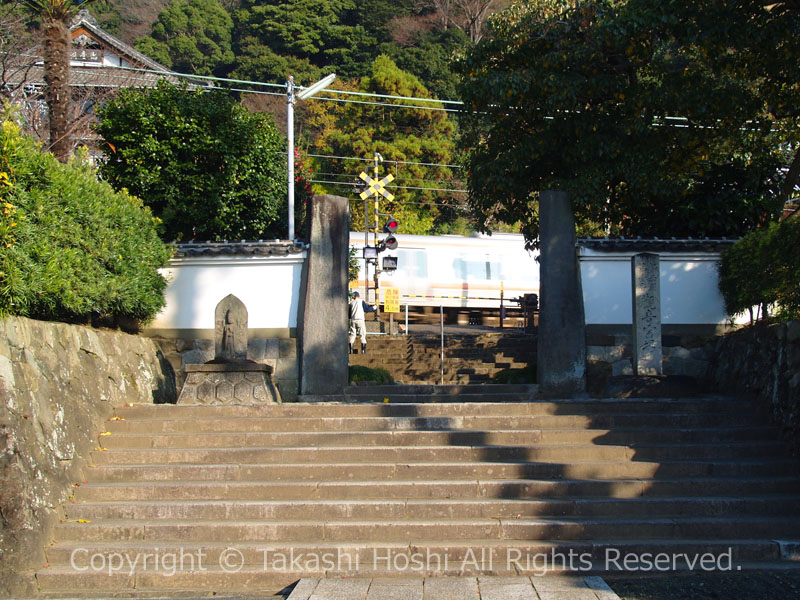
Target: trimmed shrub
{"type": "Point", "coordinates": [763, 270]}
{"type": "Point", "coordinates": [359, 374]}
{"type": "Point", "coordinates": [208, 167]}
{"type": "Point", "coordinates": [71, 248]}
{"type": "Point", "coordinates": [516, 376]}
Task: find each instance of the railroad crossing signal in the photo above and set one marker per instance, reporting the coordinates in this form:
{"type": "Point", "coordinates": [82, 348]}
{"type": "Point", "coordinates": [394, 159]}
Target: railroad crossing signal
{"type": "Point", "coordinates": [376, 186]}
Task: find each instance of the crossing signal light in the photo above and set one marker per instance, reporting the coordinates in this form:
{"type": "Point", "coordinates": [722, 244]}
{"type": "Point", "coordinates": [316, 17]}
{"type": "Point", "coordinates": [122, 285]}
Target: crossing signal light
{"type": "Point", "coordinates": [388, 243]}
{"type": "Point", "coordinates": [391, 225]}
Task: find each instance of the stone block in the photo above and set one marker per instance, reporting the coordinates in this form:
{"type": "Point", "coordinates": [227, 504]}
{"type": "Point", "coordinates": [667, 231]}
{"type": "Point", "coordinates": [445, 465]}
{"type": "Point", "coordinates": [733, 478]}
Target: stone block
{"type": "Point", "coordinates": [243, 391]}
{"type": "Point", "coordinates": [287, 348]}
{"type": "Point", "coordinates": [621, 367]}
{"type": "Point", "coordinates": [794, 382]}
{"type": "Point", "coordinates": [205, 390]}
{"type": "Point", "coordinates": [288, 388]}
{"type": "Point", "coordinates": [793, 355]}
{"type": "Point", "coordinates": [609, 354]}
{"type": "Point", "coordinates": [196, 356]}
{"type": "Point", "coordinates": [344, 589]}
{"type": "Point", "coordinates": [263, 349]}
{"type": "Point", "coordinates": [286, 368]}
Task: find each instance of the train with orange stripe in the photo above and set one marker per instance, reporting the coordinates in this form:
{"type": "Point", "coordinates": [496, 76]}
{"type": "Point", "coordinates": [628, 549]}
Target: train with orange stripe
{"type": "Point", "coordinates": [463, 275]}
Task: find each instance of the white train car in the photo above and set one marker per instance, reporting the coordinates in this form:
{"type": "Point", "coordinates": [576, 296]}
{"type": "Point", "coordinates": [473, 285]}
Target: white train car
{"type": "Point", "coordinates": [454, 271]}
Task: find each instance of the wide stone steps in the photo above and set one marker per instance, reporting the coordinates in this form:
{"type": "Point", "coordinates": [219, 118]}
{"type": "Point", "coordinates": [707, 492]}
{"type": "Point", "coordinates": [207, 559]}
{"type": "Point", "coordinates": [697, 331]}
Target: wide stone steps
{"type": "Point", "coordinates": [265, 567]}
{"type": "Point", "coordinates": [418, 529]}
{"type": "Point", "coordinates": [467, 359]}
{"type": "Point", "coordinates": [436, 401]}
{"type": "Point", "coordinates": [467, 453]}
{"type": "Point", "coordinates": [482, 422]}
{"type": "Point", "coordinates": [381, 482]}
{"type": "Point", "coordinates": [253, 553]}
{"type": "Point", "coordinates": [387, 489]}
{"type": "Point", "coordinates": [317, 439]}
{"type": "Point", "coordinates": [451, 508]}
{"type": "Point", "coordinates": [422, 471]}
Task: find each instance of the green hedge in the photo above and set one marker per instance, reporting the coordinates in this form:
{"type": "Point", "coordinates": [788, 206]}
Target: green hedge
{"type": "Point", "coordinates": [359, 374]}
{"type": "Point", "coordinates": [70, 247]}
{"type": "Point", "coordinates": [763, 270]}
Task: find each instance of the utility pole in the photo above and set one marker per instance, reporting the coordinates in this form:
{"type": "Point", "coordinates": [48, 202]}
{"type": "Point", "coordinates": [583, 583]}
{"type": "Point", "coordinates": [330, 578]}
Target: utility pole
{"type": "Point", "coordinates": [377, 158]}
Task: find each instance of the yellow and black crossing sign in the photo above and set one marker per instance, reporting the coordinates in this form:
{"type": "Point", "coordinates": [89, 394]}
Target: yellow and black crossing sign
{"type": "Point", "coordinates": [376, 186]}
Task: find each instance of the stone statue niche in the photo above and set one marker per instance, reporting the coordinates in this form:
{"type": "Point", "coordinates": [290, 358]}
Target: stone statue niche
{"type": "Point", "coordinates": [230, 378]}
{"type": "Point", "coordinates": [230, 330]}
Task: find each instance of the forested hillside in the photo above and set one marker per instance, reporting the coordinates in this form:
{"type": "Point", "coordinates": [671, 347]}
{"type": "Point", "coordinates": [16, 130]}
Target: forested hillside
{"type": "Point", "coordinates": [265, 39]}
{"type": "Point", "coordinates": [391, 47]}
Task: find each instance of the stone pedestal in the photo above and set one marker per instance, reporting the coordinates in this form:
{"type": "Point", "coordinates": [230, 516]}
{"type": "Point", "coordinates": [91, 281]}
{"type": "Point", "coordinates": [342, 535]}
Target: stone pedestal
{"type": "Point", "coordinates": [561, 365]}
{"type": "Point", "coordinates": [647, 352]}
{"type": "Point", "coordinates": [229, 383]}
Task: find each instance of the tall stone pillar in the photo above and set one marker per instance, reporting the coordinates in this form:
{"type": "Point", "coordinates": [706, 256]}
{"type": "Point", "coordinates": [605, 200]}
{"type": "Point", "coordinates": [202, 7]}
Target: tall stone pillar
{"type": "Point", "coordinates": [322, 322]}
{"type": "Point", "coordinates": [646, 284]}
{"type": "Point", "coordinates": [561, 367]}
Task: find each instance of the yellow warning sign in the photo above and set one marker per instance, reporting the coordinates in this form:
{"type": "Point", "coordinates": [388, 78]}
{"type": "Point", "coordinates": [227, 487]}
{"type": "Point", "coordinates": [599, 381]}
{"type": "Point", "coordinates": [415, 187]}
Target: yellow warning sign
{"type": "Point", "coordinates": [391, 300]}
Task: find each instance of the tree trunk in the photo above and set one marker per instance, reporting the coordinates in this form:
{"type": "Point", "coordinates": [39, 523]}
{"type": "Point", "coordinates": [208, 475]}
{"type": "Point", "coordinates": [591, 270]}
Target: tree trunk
{"type": "Point", "coordinates": [57, 92]}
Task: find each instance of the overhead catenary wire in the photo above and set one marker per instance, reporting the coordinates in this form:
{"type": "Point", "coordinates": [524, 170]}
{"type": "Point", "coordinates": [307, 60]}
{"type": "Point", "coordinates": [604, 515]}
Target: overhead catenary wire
{"type": "Point", "coordinates": [369, 160]}
{"type": "Point", "coordinates": [674, 121]}
{"type": "Point", "coordinates": [331, 91]}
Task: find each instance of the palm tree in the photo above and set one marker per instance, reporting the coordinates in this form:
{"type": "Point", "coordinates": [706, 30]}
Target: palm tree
{"type": "Point", "coordinates": [56, 15]}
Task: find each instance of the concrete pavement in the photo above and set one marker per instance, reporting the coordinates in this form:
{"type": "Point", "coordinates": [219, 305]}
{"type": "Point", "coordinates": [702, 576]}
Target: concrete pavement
{"type": "Point", "coordinates": [549, 587]}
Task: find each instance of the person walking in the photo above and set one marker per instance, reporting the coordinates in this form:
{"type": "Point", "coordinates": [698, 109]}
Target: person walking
{"type": "Point", "coordinates": [357, 326]}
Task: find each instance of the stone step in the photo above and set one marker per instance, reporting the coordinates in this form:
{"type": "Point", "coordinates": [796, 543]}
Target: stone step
{"type": "Point", "coordinates": [420, 530]}
{"type": "Point", "coordinates": [596, 437]}
{"type": "Point", "coordinates": [421, 471]}
{"type": "Point", "coordinates": [445, 423]}
{"type": "Point", "coordinates": [505, 555]}
{"type": "Point", "coordinates": [451, 508]}
{"type": "Point", "coordinates": [353, 453]}
{"type": "Point", "coordinates": [432, 489]}
{"type": "Point", "coordinates": [398, 407]}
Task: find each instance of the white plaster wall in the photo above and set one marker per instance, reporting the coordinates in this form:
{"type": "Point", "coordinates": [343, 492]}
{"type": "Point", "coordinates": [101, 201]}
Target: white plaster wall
{"type": "Point", "coordinates": [689, 288]}
{"type": "Point", "coordinates": [268, 286]}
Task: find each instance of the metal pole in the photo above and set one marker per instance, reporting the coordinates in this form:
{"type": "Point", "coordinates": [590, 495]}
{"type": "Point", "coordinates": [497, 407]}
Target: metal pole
{"type": "Point", "coordinates": [290, 151]}
{"type": "Point", "coordinates": [501, 305]}
{"type": "Point", "coordinates": [441, 328]}
{"type": "Point", "coordinates": [377, 158]}
{"type": "Point", "coordinates": [366, 243]}
{"type": "Point", "coordinates": [406, 318]}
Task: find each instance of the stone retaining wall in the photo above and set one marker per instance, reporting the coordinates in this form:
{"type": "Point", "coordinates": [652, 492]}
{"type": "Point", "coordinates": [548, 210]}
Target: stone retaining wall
{"type": "Point", "coordinates": [686, 351]}
{"type": "Point", "coordinates": [58, 384]}
{"type": "Point", "coordinates": [764, 360]}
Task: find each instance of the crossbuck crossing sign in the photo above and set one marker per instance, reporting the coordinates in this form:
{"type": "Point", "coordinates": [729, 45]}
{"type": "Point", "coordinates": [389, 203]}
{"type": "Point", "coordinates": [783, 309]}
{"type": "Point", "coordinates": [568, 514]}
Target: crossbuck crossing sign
{"type": "Point", "coordinates": [376, 186]}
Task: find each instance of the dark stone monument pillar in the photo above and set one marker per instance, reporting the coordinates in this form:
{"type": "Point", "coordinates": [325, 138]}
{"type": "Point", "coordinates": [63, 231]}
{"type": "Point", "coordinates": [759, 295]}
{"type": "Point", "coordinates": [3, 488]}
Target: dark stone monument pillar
{"type": "Point", "coordinates": [561, 366]}
{"type": "Point", "coordinates": [323, 326]}
{"type": "Point", "coordinates": [646, 275]}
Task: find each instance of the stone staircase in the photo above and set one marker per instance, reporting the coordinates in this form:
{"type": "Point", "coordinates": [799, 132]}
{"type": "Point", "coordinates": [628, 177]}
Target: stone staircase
{"type": "Point", "coordinates": [468, 359]}
{"type": "Point", "coordinates": [242, 499]}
